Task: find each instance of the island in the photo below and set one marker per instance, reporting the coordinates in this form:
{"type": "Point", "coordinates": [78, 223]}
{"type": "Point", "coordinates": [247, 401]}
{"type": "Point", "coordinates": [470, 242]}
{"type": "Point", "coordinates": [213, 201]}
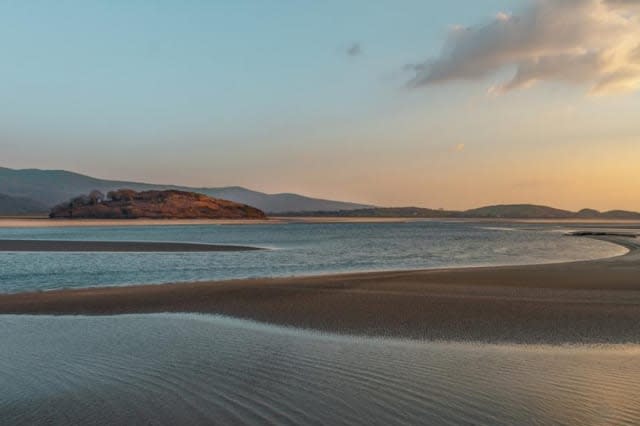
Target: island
{"type": "Point", "coordinates": [169, 204]}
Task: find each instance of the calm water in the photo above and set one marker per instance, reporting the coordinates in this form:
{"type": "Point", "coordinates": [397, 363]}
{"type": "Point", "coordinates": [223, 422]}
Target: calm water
{"type": "Point", "coordinates": [189, 369]}
{"type": "Point", "coordinates": [294, 249]}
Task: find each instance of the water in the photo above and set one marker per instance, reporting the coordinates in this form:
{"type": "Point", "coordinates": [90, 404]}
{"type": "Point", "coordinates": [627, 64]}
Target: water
{"type": "Point", "coordinates": [192, 369]}
{"type": "Point", "coordinates": [293, 249]}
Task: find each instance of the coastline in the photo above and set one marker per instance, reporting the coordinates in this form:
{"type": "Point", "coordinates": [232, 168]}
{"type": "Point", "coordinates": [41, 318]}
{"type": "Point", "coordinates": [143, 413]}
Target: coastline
{"type": "Point", "coordinates": [42, 222]}
{"type": "Point", "coordinates": [81, 223]}
{"type": "Point", "coordinates": [592, 302]}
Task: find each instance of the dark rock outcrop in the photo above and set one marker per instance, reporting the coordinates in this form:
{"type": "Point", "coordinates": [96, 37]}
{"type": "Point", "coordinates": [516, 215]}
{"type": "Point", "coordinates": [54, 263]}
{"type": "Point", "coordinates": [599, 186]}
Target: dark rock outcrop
{"type": "Point", "coordinates": [172, 204]}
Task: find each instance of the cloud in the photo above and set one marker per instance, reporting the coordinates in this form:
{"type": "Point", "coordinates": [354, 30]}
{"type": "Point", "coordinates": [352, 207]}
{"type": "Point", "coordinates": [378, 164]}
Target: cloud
{"type": "Point", "coordinates": [595, 43]}
{"type": "Point", "coordinates": [623, 3]}
{"type": "Point", "coordinates": [354, 49]}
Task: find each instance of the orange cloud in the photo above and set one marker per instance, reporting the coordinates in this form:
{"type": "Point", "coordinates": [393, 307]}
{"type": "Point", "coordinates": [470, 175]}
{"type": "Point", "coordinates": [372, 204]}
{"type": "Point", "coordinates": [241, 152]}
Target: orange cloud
{"type": "Point", "coordinates": [591, 42]}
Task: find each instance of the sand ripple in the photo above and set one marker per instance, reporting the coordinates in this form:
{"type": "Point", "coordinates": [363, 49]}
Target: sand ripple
{"type": "Point", "coordinates": [191, 369]}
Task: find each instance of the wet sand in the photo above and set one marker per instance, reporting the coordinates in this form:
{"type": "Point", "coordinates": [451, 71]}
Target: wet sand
{"type": "Point", "coordinates": [580, 302]}
{"type": "Point", "coordinates": [189, 369]}
{"type": "Point", "coordinates": [26, 222]}
{"type": "Point", "coordinates": [114, 246]}
{"type": "Point", "coordinates": [42, 222]}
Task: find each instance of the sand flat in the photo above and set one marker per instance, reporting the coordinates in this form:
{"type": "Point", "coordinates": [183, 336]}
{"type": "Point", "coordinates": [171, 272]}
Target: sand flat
{"type": "Point", "coordinates": [113, 246]}
{"type": "Point", "coordinates": [41, 222]}
{"type": "Point", "coordinates": [190, 369]}
{"type": "Point", "coordinates": [79, 223]}
{"type": "Point", "coordinates": [582, 302]}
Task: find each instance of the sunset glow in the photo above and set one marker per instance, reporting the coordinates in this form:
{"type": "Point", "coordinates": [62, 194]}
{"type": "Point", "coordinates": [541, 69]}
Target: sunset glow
{"type": "Point", "coordinates": [450, 105]}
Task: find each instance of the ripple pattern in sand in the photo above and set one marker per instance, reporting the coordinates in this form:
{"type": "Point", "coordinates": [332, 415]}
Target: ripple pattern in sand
{"type": "Point", "coordinates": [192, 369]}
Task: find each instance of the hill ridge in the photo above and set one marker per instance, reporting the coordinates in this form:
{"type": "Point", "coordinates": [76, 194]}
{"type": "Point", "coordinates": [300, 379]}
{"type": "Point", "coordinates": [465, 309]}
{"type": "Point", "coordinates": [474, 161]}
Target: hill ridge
{"type": "Point", "coordinates": [52, 187]}
{"type": "Point", "coordinates": [496, 211]}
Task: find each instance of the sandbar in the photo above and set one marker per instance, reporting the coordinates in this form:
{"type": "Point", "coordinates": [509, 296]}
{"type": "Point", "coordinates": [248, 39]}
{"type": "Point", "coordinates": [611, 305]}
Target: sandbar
{"type": "Point", "coordinates": [113, 246]}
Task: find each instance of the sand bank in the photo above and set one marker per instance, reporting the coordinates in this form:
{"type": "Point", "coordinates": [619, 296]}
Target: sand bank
{"type": "Point", "coordinates": [80, 223]}
{"type": "Point", "coordinates": [113, 246]}
{"type": "Point", "coordinates": [24, 222]}
{"type": "Point", "coordinates": [185, 369]}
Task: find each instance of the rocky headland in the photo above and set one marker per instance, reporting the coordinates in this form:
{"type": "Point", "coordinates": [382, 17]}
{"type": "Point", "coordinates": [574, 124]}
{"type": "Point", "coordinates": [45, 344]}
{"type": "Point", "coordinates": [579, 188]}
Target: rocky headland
{"type": "Point", "coordinates": [171, 204]}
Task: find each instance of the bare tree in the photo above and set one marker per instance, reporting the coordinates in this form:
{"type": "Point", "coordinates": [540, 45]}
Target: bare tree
{"type": "Point", "coordinates": [96, 197]}
{"type": "Point", "coordinates": [121, 195]}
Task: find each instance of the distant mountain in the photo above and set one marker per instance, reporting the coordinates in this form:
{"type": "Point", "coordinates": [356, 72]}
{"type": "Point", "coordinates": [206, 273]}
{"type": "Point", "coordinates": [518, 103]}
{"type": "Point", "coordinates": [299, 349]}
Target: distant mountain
{"type": "Point", "coordinates": [588, 213]}
{"type": "Point", "coordinates": [379, 212]}
{"type": "Point", "coordinates": [51, 187]}
{"type": "Point", "coordinates": [15, 206]}
{"type": "Point", "coordinates": [519, 211]}
{"type": "Point", "coordinates": [620, 214]}
{"type": "Point", "coordinates": [35, 191]}
{"type": "Point", "coordinates": [532, 211]}
{"type": "Point", "coordinates": [505, 211]}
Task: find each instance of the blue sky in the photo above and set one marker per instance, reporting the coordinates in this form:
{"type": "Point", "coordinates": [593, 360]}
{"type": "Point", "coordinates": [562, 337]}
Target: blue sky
{"type": "Point", "coordinates": [264, 94]}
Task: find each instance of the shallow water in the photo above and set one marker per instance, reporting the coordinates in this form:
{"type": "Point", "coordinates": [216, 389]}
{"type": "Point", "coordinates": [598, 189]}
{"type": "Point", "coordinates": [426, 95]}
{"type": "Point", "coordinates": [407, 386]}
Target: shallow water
{"type": "Point", "coordinates": [191, 369]}
{"type": "Point", "coordinates": [296, 249]}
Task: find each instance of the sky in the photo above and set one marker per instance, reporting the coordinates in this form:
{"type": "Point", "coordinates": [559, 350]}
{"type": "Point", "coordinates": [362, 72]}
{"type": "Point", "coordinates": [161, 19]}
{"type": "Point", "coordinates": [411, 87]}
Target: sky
{"type": "Point", "coordinates": [437, 104]}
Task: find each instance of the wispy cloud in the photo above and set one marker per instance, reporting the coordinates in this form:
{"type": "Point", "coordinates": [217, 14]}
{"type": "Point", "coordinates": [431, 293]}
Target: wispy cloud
{"type": "Point", "coordinates": [591, 42]}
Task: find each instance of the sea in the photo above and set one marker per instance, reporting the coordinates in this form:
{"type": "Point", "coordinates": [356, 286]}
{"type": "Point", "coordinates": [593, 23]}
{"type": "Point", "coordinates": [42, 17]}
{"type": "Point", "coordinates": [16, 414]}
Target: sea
{"type": "Point", "coordinates": [193, 369]}
{"type": "Point", "coordinates": [291, 249]}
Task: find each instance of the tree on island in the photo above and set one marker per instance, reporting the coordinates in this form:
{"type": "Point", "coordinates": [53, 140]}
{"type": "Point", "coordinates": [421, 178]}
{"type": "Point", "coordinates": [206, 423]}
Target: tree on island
{"type": "Point", "coordinates": [122, 195]}
{"type": "Point", "coordinates": [95, 197]}
{"type": "Point", "coordinates": [168, 204]}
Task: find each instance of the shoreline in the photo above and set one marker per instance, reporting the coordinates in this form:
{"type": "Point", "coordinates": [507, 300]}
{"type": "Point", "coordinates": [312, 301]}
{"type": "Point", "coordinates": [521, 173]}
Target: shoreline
{"type": "Point", "coordinates": [25, 222]}
{"type": "Point", "coordinates": [41, 222]}
{"type": "Point", "coordinates": [594, 302]}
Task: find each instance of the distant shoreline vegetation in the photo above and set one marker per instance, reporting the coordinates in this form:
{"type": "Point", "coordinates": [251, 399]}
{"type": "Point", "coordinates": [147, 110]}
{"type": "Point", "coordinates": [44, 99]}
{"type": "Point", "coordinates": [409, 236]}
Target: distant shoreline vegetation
{"type": "Point", "coordinates": [504, 211]}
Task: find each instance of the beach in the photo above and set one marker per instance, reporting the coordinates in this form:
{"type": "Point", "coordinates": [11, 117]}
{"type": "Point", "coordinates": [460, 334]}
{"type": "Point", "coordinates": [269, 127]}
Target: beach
{"type": "Point", "coordinates": [43, 222]}
{"type": "Point", "coordinates": [578, 302]}
{"type": "Point", "coordinates": [204, 369]}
